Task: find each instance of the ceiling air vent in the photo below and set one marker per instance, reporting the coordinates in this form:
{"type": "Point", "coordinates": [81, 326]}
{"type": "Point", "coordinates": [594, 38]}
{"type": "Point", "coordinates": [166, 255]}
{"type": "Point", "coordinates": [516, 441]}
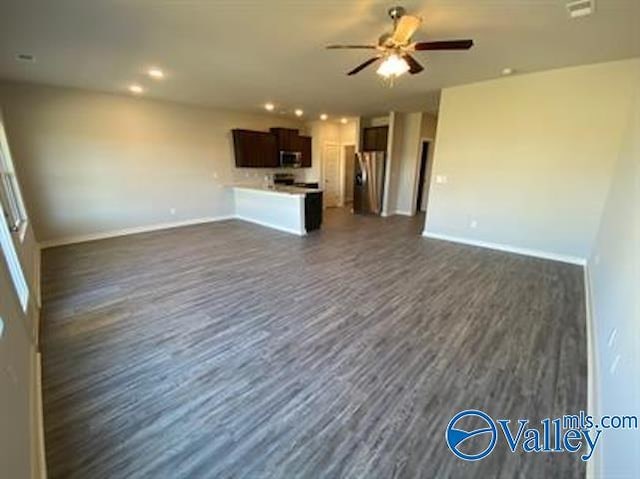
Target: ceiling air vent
{"type": "Point", "coordinates": [25, 57]}
{"type": "Point", "coordinates": [580, 8]}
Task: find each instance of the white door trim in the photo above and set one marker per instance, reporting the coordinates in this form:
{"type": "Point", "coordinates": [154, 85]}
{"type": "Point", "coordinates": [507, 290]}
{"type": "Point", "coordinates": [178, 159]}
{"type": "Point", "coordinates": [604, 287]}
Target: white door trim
{"type": "Point", "coordinates": [343, 173]}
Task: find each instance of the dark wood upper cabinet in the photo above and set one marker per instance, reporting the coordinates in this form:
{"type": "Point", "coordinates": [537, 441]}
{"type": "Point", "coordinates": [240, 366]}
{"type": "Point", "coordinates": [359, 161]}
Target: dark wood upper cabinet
{"type": "Point", "coordinates": [375, 138]}
{"type": "Point", "coordinates": [260, 149]}
{"type": "Point", "coordinates": [287, 138]}
{"type": "Point", "coordinates": [304, 143]}
{"type": "Point", "coordinates": [255, 149]}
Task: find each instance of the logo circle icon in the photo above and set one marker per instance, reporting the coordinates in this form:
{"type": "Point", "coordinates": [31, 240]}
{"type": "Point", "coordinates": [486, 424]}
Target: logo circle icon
{"type": "Point", "coordinates": [456, 437]}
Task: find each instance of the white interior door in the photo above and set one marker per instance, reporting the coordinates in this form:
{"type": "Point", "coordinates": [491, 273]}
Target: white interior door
{"type": "Point", "coordinates": [331, 163]}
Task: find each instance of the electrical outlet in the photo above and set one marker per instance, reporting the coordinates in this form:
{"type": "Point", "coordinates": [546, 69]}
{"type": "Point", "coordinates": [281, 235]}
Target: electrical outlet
{"type": "Point", "coordinates": [473, 224]}
{"type": "Point", "coordinates": [215, 175]}
{"type": "Point", "coordinates": [441, 179]}
{"type": "Point", "coordinates": [172, 211]}
{"type": "Point", "coordinates": [596, 259]}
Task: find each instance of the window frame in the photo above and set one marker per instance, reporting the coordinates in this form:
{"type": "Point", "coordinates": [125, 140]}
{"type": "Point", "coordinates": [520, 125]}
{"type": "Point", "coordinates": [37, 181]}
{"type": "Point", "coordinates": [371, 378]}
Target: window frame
{"type": "Point", "coordinates": [16, 220]}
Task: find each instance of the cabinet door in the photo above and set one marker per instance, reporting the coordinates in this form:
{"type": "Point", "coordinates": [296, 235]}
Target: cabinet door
{"type": "Point", "coordinates": [304, 143]}
{"type": "Point", "coordinates": [268, 151]}
{"type": "Point", "coordinates": [381, 138]}
{"type": "Point", "coordinates": [254, 149]}
{"type": "Point", "coordinates": [369, 139]}
{"type": "Point", "coordinates": [287, 138]}
{"type": "Point", "coordinates": [375, 138]}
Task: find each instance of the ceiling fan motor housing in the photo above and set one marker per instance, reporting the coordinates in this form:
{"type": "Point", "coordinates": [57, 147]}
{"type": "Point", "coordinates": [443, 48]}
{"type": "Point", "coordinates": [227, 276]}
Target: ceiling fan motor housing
{"type": "Point", "coordinates": [396, 12]}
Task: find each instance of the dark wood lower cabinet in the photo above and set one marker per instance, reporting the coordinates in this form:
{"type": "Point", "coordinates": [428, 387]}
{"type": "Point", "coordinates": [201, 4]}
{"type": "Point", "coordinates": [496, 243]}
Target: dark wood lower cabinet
{"type": "Point", "coordinates": [313, 211]}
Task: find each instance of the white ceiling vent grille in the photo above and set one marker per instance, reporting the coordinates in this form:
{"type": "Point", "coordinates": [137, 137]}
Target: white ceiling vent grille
{"type": "Point", "coordinates": [25, 57]}
{"type": "Point", "coordinates": [581, 8]}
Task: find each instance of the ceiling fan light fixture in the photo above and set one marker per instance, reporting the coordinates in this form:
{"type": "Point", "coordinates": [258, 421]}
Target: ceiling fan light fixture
{"type": "Point", "coordinates": [393, 66]}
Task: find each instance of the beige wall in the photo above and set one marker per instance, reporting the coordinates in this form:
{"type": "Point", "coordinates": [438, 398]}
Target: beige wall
{"type": "Point", "coordinates": [614, 273]}
{"type": "Point", "coordinates": [529, 157]}
{"type": "Point", "coordinates": [407, 131]}
{"type": "Point", "coordinates": [323, 132]}
{"type": "Point", "coordinates": [93, 162]}
{"type": "Point", "coordinates": [429, 127]}
{"type": "Point", "coordinates": [404, 162]}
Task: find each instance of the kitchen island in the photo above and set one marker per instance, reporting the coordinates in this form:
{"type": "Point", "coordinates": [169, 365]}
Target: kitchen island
{"type": "Point", "coordinates": [290, 209]}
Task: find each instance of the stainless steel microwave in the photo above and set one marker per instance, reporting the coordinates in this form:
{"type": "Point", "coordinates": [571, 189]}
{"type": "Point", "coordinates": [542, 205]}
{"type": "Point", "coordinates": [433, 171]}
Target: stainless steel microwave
{"type": "Point", "coordinates": [290, 159]}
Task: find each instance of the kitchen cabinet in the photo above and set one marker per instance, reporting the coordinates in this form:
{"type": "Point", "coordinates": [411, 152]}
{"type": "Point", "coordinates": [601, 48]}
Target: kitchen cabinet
{"type": "Point", "coordinates": [304, 147]}
{"type": "Point", "coordinates": [260, 149]}
{"type": "Point", "coordinates": [375, 138]}
{"type": "Point", "coordinates": [255, 149]}
{"type": "Point", "coordinates": [313, 211]}
{"type": "Point", "coordinates": [287, 138]}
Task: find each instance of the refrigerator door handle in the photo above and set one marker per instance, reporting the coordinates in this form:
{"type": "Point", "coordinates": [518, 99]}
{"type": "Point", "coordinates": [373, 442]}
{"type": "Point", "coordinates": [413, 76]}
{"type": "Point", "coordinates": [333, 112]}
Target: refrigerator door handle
{"type": "Point", "coordinates": [363, 169]}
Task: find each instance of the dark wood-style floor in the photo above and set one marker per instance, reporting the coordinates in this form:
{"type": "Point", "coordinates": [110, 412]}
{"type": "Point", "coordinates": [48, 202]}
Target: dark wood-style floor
{"type": "Point", "coordinates": [228, 350]}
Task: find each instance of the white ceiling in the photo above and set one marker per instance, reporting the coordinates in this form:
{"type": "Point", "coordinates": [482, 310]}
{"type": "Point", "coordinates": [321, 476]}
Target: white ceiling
{"type": "Point", "coordinates": [239, 54]}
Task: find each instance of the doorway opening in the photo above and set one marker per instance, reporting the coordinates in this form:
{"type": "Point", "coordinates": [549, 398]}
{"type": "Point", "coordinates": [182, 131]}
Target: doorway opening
{"type": "Point", "coordinates": [331, 174]}
{"type": "Point", "coordinates": [423, 179]}
{"type": "Point", "coordinates": [348, 174]}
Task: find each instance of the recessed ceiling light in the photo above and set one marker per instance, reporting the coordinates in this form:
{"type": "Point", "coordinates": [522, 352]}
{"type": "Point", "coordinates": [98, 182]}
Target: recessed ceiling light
{"type": "Point", "coordinates": [324, 116]}
{"type": "Point", "coordinates": [25, 57]}
{"type": "Point", "coordinates": [298, 112]}
{"type": "Point", "coordinates": [343, 121]}
{"type": "Point", "coordinates": [137, 89]}
{"type": "Point", "coordinates": [155, 73]}
{"type": "Point", "coordinates": [507, 71]}
{"type": "Point", "coordinates": [269, 106]}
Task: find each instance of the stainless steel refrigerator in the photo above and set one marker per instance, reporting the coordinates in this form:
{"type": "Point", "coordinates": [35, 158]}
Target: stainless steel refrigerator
{"type": "Point", "coordinates": [368, 182]}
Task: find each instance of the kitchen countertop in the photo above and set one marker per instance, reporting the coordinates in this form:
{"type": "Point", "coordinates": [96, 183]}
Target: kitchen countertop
{"type": "Point", "coordinates": [290, 190]}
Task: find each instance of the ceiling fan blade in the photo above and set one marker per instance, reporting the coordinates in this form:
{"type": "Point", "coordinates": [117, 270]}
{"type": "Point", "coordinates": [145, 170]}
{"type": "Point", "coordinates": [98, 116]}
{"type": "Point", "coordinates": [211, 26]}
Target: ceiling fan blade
{"type": "Point", "coordinates": [362, 66]}
{"type": "Point", "coordinates": [406, 27]}
{"type": "Point", "coordinates": [336, 47]}
{"type": "Point", "coordinates": [444, 45]}
{"type": "Point", "coordinates": [414, 66]}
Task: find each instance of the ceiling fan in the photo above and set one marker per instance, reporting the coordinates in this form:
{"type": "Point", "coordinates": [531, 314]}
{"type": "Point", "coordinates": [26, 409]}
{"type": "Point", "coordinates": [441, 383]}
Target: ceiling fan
{"type": "Point", "coordinates": [396, 48]}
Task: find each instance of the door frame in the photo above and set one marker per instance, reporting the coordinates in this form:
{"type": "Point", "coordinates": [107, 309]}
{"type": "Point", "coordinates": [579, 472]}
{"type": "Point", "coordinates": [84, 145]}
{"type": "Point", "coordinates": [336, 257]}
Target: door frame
{"type": "Point", "coordinates": [427, 173]}
{"type": "Point", "coordinates": [323, 171]}
{"type": "Point", "coordinates": [343, 173]}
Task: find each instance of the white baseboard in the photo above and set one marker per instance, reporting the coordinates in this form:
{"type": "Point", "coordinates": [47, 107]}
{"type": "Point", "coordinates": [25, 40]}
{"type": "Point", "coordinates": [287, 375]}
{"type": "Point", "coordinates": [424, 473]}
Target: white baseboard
{"type": "Point", "coordinates": [130, 231]}
{"type": "Point", "coordinates": [593, 405]}
{"type": "Point", "coordinates": [270, 225]}
{"type": "Point", "coordinates": [404, 213]}
{"type": "Point", "coordinates": [509, 249]}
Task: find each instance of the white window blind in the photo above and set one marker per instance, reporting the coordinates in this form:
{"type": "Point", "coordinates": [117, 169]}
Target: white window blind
{"type": "Point", "coordinates": [10, 197]}
{"type": "Point", "coordinates": [12, 209]}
